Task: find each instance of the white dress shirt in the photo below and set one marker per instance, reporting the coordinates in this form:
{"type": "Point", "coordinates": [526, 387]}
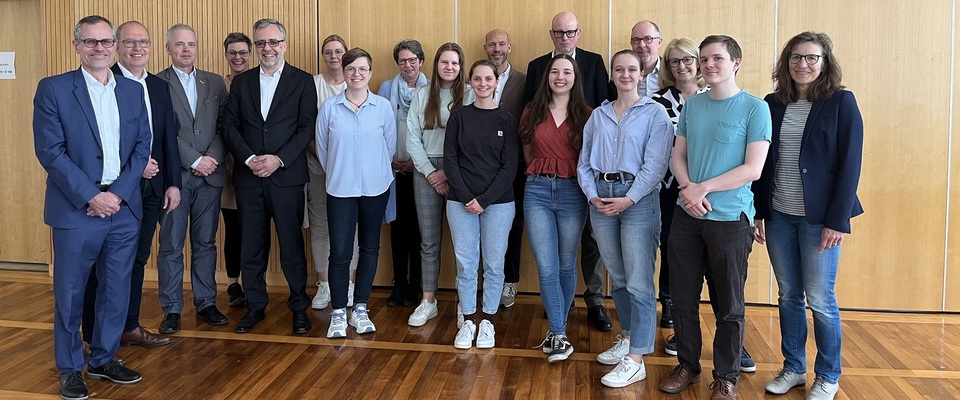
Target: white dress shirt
{"type": "Point", "coordinates": [105, 109]}
{"type": "Point", "coordinates": [146, 95]}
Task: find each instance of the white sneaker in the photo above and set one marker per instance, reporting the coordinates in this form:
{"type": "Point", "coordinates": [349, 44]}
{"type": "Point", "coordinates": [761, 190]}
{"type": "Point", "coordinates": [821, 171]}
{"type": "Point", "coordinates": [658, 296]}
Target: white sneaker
{"type": "Point", "coordinates": [459, 316]}
{"type": "Point", "coordinates": [616, 353]}
{"type": "Point", "coordinates": [338, 324]}
{"type": "Point", "coordinates": [508, 297]}
{"type": "Point", "coordinates": [784, 381]}
{"type": "Point", "coordinates": [360, 319]}
{"type": "Point", "coordinates": [464, 339]}
{"type": "Point", "coordinates": [625, 373]}
{"type": "Point", "coordinates": [822, 390]}
{"type": "Point", "coordinates": [486, 335]}
{"type": "Point", "coordinates": [322, 299]}
{"type": "Point", "coordinates": [350, 295]}
{"type": "Point", "coordinates": [424, 312]}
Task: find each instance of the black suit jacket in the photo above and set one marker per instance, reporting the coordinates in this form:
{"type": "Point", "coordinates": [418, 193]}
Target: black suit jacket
{"type": "Point", "coordinates": [288, 129]}
{"type": "Point", "coordinates": [164, 134]}
{"type": "Point", "coordinates": [593, 73]}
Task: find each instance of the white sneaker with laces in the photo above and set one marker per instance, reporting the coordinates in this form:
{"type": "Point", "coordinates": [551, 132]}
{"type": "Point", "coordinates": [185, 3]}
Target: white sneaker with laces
{"type": "Point", "coordinates": [322, 299]}
{"type": "Point", "coordinates": [616, 353]}
{"type": "Point", "coordinates": [784, 381]}
{"type": "Point", "coordinates": [823, 390]}
{"type": "Point", "coordinates": [338, 324]}
{"type": "Point", "coordinates": [360, 319]}
{"type": "Point", "coordinates": [424, 312]}
{"type": "Point", "coordinates": [350, 294]}
{"type": "Point", "coordinates": [486, 335]}
{"type": "Point", "coordinates": [508, 297]}
{"type": "Point", "coordinates": [625, 373]}
{"type": "Point", "coordinates": [464, 339]}
{"type": "Point", "coordinates": [459, 316]}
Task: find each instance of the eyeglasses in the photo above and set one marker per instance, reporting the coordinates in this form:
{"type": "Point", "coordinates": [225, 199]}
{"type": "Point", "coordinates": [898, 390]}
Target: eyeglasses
{"type": "Point", "coordinates": [337, 52]}
{"type": "Point", "coordinates": [92, 43]}
{"type": "Point", "coordinates": [131, 43]}
{"type": "Point", "coordinates": [271, 42]}
{"type": "Point", "coordinates": [809, 58]}
{"type": "Point", "coordinates": [241, 53]}
{"type": "Point", "coordinates": [408, 61]}
{"type": "Point", "coordinates": [559, 34]}
{"type": "Point", "coordinates": [688, 60]}
{"type": "Point", "coordinates": [354, 70]}
{"type": "Point", "coordinates": [645, 39]}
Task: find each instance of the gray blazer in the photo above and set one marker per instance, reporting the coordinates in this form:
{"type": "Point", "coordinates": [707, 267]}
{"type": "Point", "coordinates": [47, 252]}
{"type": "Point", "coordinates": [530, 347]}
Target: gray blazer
{"type": "Point", "coordinates": [200, 135]}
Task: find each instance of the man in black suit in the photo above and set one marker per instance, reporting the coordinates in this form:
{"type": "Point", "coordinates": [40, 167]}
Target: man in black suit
{"type": "Point", "coordinates": [159, 186]}
{"type": "Point", "coordinates": [271, 116]}
{"type": "Point", "coordinates": [565, 32]}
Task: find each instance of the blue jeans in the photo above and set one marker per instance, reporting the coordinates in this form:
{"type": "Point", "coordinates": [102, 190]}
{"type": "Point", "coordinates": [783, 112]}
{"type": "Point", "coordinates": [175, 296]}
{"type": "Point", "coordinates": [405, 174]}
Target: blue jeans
{"type": "Point", "coordinates": [628, 246]}
{"type": "Point", "coordinates": [801, 269]}
{"type": "Point", "coordinates": [349, 217]}
{"type": "Point", "coordinates": [470, 233]}
{"type": "Point", "coordinates": [556, 210]}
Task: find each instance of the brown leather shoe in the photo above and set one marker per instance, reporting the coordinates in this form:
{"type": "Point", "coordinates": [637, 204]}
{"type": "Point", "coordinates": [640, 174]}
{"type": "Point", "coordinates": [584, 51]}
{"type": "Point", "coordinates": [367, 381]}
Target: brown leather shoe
{"type": "Point", "coordinates": [724, 390]}
{"type": "Point", "coordinates": [143, 337]}
{"type": "Point", "coordinates": [678, 380]}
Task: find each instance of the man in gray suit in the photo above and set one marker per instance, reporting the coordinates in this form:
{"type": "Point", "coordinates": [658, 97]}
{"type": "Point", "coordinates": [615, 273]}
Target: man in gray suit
{"type": "Point", "coordinates": [199, 98]}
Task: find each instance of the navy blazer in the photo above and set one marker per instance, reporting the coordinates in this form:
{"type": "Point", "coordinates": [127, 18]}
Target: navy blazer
{"type": "Point", "coordinates": [67, 142]}
{"type": "Point", "coordinates": [164, 134]}
{"type": "Point", "coordinates": [592, 72]}
{"type": "Point", "coordinates": [289, 128]}
{"type": "Point", "coordinates": [831, 152]}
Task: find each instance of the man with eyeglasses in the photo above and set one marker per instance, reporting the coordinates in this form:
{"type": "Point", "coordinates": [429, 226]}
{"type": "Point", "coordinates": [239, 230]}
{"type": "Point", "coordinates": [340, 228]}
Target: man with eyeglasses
{"type": "Point", "coordinates": [645, 40]}
{"type": "Point", "coordinates": [159, 186]}
{"type": "Point", "coordinates": [199, 98]}
{"type": "Point", "coordinates": [92, 136]}
{"type": "Point", "coordinates": [270, 120]}
{"type": "Point", "coordinates": [565, 32]}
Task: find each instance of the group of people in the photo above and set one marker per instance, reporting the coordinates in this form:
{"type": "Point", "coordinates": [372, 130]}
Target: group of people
{"type": "Point", "coordinates": [666, 151]}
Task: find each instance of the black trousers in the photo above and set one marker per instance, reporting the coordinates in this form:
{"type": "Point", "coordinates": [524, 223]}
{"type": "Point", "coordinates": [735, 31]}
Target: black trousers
{"type": "Point", "coordinates": [725, 247]}
{"type": "Point", "coordinates": [231, 241]}
{"type": "Point", "coordinates": [405, 238]}
{"type": "Point", "coordinates": [257, 206]}
{"type": "Point", "coordinates": [152, 209]}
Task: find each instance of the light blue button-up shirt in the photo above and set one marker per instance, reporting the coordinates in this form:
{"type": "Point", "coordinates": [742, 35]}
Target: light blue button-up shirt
{"type": "Point", "coordinates": [104, 99]}
{"type": "Point", "coordinates": [355, 147]}
{"type": "Point", "coordinates": [639, 143]}
{"type": "Point", "coordinates": [189, 82]}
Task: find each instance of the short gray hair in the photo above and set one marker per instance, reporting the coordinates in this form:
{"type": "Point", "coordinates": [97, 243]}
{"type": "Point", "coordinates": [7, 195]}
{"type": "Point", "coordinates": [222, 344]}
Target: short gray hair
{"type": "Point", "coordinates": [263, 23]}
{"type": "Point", "coordinates": [178, 27]}
{"type": "Point", "coordinates": [91, 20]}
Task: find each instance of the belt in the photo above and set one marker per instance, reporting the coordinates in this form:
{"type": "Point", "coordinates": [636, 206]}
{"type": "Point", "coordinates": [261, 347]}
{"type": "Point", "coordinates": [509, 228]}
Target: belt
{"type": "Point", "coordinates": [548, 176]}
{"type": "Point", "coordinates": [104, 188]}
{"type": "Point", "coordinates": [615, 176]}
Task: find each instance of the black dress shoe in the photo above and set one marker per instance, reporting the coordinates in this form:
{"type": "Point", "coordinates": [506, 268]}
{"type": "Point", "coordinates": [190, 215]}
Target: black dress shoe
{"type": "Point", "coordinates": [301, 322]}
{"type": "Point", "coordinates": [212, 316]}
{"type": "Point", "coordinates": [597, 315]}
{"type": "Point", "coordinates": [72, 386]}
{"type": "Point", "coordinates": [666, 316]}
{"type": "Point", "coordinates": [411, 295]}
{"type": "Point", "coordinates": [170, 324]}
{"type": "Point", "coordinates": [114, 371]}
{"type": "Point", "coordinates": [395, 297]}
{"type": "Point", "coordinates": [237, 297]}
{"type": "Point", "coordinates": [249, 320]}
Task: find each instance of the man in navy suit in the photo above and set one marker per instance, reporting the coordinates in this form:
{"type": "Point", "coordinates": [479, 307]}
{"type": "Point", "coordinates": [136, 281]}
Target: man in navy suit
{"type": "Point", "coordinates": [92, 136]}
{"type": "Point", "coordinates": [159, 186]}
{"type": "Point", "coordinates": [270, 120]}
{"type": "Point", "coordinates": [565, 33]}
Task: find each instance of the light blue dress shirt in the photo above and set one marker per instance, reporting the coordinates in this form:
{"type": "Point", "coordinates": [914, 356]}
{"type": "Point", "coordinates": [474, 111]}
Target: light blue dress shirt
{"type": "Point", "coordinates": [355, 147]}
{"type": "Point", "coordinates": [189, 82]}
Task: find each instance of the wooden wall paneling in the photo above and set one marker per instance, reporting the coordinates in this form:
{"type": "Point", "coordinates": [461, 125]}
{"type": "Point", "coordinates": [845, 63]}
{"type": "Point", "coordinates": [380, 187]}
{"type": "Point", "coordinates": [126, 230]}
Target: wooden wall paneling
{"type": "Point", "coordinates": [25, 238]}
{"type": "Point", "coordinates": [696, 20]}
{"type": "Point", "coordinates": [952, 276]}
{"type": "Point", "coordinates": [894, 259]}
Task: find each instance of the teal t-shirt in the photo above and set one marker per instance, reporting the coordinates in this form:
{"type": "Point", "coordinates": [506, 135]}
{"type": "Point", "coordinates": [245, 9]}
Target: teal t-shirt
{"type": "Point", "coordinates": [717, 133]}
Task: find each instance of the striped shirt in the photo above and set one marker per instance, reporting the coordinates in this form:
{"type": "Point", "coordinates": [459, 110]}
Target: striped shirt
{"type": "Point", "coordinates": [787, 186]}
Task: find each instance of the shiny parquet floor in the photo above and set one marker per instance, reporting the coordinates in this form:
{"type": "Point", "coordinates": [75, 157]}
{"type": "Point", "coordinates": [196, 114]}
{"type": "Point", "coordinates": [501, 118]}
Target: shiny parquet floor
{"type": "Point", "coordinates": [886, 356]}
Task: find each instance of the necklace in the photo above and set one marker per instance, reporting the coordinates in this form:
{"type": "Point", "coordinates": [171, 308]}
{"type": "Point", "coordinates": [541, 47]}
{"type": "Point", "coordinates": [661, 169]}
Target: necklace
{"type": "Point", "coordinates": [357, 104]}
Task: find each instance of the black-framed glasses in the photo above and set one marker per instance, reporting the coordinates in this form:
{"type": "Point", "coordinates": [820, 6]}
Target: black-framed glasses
{"type": "Point", "coordinates": [645, 39]}
{"type": "Point", "coordinates": [129, 43]}
{"type": "Point", "coordinates": [92, 43]}
{"type": "Point", "coordinates": [408, 61]}
{"type": "Point", "coordinates": [271, 42]}
{"type": "Point", "coordinates": [809, 58]}
{"type": "Point", "coordinates": [241, 53]}
{"type": "Point", "coordinates": [688, 60]}
{"type": "Point", "coordinates": [559, 34]}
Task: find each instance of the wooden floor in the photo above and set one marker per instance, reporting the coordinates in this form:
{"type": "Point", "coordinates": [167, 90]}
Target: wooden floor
{"type": "Point", "coordinates": [886, 356]}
